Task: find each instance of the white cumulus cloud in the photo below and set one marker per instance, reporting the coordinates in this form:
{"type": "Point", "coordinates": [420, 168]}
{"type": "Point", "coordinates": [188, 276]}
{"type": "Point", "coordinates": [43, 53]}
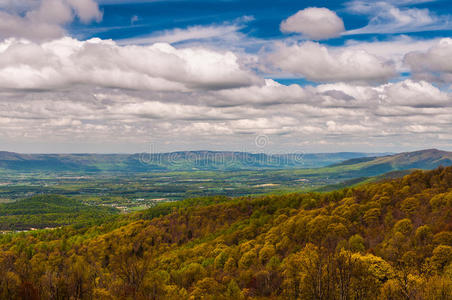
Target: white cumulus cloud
{"type": "Point", "coordinates": [314, 22]}
{"type": "Point", "coordinates": [320, 63]}
{"type": "Point", "coordinates": [437, 59]}
{"type": "Point", "coordinates": [414, 94]}
{"type": "Point", "coordinates": [67, 62]}
{"type": "Point", "coordinates": [44, 20]}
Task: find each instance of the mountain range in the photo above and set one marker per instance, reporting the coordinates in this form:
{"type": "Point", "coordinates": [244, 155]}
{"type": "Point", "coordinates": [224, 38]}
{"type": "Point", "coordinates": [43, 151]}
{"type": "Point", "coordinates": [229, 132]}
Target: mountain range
{"type": "Point", "coordinates": [344, 164]}
{"type": "Point", "coordinates": [174, 161]}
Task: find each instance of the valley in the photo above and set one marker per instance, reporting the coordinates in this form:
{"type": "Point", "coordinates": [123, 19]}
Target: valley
{"type": "Point", "coordinates": [117, 193]}
{"type": "Point", "coordinates": [387, 240]}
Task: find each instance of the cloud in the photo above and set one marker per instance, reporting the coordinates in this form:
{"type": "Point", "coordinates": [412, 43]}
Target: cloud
{"type": "Point", "coordinates": [188, 34]}
{"type": "Point", "coordinates": [410, 93]}
{"type": "Point", "coordinates": [86, 10]}
{"type": "Point", "coordinates": [315, 23]}
{"type": "Point", "coordinates": [414, 93]}
{"type": "Point", "coordinates": [437, 59]}
{"type": "Point", "coordinates": [393, 49]}
{"type": "Point", "coordinates": [173, 111]}
{"type": "Point", "coordinates": [197, 87]}
{"type": "Point", "coordinates": [18, 6]}
{"type": "Point", "coordinates": [271, 93]}
{"type": "Point", "coordinates": [385, 18]}
{"type": "Point", "coordinates": [320, 63]}
{"type": "Point", "coordinates": [423, 129]}
{"type": "Point", "coordinates": [308, 118]}
{"type": "Point", "coordinates": [68, 62]}
{"type": "Point", "coordinates": [44, 20]}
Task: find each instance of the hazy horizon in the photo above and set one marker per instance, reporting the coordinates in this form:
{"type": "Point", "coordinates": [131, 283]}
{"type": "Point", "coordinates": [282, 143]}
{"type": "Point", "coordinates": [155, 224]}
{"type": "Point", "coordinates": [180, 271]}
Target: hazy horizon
{"type": "Point", "coordinates": [256, 151]}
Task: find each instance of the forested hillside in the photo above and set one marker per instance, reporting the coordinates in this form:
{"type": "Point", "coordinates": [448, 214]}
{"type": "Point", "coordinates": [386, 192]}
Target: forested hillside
{"type": "Point", "coordinates": [49, 211]}
{"type": "Point", "coordinates": [424, 159]}
{"type": "Point", "coordinates": [388, 240]}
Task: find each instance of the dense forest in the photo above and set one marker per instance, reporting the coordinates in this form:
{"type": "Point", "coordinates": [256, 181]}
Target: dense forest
{"type": "Point", "coordinates": [42, 211]}
{"type": "Point", "coordinates": [386, 240]}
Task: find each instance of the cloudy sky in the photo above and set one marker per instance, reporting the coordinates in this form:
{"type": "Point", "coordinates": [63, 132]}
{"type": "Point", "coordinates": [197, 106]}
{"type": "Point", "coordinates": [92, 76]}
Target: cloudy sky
{"type": "Point", "coordinates": [123, 76]}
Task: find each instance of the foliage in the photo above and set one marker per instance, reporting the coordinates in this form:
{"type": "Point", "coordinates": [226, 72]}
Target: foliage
{"type": "Point", "coordinates": [50, 211]}
{"type": "Point", "coordinates": [365, 242]}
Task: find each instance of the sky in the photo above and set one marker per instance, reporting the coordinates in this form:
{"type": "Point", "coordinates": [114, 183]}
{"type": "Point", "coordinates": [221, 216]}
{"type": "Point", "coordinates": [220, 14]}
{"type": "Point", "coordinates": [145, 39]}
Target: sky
{"type": "Point", "coordinates": [113, 76]}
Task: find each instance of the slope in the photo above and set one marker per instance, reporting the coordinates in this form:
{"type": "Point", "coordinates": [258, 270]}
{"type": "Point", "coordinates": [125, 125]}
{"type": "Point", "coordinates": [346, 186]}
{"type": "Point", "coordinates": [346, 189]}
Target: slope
{"type": "Point", "coordinates": [424, 159]}
{"type": "Point", "coordinates": [368, 167]}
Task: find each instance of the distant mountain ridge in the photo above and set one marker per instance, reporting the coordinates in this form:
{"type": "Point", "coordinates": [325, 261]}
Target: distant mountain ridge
{"type": "Point", "coordinates": [174, 161]}
{"type": "Point", "coordinates": [423, 159]}
{"type": "Point", "coordinates": [353, 164]}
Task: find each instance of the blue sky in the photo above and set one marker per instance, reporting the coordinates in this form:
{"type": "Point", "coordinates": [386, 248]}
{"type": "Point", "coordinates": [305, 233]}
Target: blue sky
{"type": "Point", "coordinates": [126, 19]}
{"type": "Point", "coordinates": [317, 76]}
{"type": "Point", "coordinates": [161, 15]}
